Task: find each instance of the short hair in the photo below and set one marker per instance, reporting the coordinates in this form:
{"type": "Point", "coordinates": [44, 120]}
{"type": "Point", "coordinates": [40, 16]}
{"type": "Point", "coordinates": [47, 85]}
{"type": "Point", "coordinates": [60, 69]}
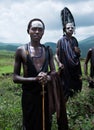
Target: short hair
{"type": "Point", "coordinates": [35, 19]}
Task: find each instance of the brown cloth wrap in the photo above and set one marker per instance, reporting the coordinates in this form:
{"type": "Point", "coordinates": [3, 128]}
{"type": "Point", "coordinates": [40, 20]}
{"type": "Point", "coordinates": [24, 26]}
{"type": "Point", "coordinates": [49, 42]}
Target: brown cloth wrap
{"type": "Point", "coordinates": [56, 101]}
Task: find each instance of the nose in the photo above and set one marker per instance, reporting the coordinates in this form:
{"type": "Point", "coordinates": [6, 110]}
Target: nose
{"type": "Point", "coordinates": [71, 28]}
{"type": "Point", "coordinates": [37, 30]}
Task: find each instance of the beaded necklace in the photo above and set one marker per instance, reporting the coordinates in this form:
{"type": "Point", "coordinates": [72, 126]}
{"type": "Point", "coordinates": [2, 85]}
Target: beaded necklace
{"type": "Point", "coordinates": [40, 52]}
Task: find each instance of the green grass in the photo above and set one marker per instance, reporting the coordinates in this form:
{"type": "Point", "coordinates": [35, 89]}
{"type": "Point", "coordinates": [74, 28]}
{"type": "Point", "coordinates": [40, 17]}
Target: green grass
{"type": "Point", "coordinates": [10, 105]}
{"type": "Point", "coordinates": [80, 108]}
{"type": "Point", "coordinates": [6, 62]}
{"type": "Point", "coordinates": [6, 53]}
{"type": "Point", "coordinates": [6, 69]}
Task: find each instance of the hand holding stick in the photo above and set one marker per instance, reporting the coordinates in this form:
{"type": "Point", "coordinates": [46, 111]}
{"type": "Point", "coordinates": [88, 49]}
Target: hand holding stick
{"type": "Point", "coordinates": [42, 77]}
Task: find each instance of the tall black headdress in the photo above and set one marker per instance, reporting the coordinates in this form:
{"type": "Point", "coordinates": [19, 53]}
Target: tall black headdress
{"type": "Point", "coordinates": [67, 17]}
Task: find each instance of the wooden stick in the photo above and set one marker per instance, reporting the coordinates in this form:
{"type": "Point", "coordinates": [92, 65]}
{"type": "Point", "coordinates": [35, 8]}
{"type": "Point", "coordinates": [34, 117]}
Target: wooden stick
{"type": "Point", "coordinates": [43, 108]}
{"type": "Point", "coordinates": [88, 79]}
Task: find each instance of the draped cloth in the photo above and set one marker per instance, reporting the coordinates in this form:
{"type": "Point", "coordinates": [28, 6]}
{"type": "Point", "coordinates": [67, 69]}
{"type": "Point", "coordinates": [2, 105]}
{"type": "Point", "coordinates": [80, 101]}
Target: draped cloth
{"type": "Point", "coordinates": [32, 97]}
{"type": "Point", "coordinates": [72, 68]}
{"type": "Point", "coordinates": [68, 48]}
{"type": "Point", "coordinates": [57, 102]}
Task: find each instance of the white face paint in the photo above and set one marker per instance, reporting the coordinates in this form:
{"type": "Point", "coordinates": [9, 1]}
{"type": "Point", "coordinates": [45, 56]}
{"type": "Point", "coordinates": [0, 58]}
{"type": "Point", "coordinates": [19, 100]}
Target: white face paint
{"type": "Point", "coordinates": [36, 24]}
{"type": "Point", "coordinates": [69, 26]}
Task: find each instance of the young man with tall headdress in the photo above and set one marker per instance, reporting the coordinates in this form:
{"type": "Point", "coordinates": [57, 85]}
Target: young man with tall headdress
{"type": "Point", "coordinates": [68, 54]}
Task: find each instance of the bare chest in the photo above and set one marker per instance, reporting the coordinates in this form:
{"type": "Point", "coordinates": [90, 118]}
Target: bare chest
{"type": "Point", "coordinates": [38, 56]}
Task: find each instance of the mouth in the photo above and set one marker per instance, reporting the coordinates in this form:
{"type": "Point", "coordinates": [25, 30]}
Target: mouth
{"type": "Point", "coordinates": [36, 37]}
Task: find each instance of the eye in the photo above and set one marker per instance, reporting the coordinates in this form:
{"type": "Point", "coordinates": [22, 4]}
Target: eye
{"type": "Point", "coordinates": [40, 29]}
{"type": "Point", "coordinates": [70, 28]}
{"type": "Point", "coordinates": [34, 29]}
{"type": "Point", "coordinates": [37, 29]}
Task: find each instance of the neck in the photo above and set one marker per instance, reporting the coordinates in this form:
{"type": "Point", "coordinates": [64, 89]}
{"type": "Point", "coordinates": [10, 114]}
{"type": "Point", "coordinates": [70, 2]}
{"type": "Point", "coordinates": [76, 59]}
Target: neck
{"type": "Point", "coordinates": [69, 36]}
{"type": "Point", "coordinates": [34, 44]}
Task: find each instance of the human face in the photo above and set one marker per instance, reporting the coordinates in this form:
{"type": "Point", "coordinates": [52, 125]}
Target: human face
{"type": "Point", "coordinates": [36, 30]}
{"type": "Point", "coordinates": [69, 29]}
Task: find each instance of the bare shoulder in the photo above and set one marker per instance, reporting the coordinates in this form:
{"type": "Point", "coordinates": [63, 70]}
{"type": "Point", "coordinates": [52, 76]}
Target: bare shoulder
{"type": "Point", "coordinates": [21, 48]}
{"type": "Point", "coordinates": [21, 51]}
{"type": "Point", "coordinates": [90, 51]}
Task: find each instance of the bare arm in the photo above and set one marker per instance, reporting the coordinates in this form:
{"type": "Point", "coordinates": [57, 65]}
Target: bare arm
{"type": "Point", "coordinates": [20, 57]}
{"type": "Point", "coordinates": [57, 57]}
{"type": "Point", "coordinates": [86, 62]}
{"type": "Point", "coordinates": [77, 51]}
{"type": "Point", "coordinates": [51, 62]}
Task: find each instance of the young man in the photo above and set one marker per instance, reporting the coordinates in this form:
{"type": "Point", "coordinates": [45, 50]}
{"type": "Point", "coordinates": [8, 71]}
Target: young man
{"type": "Point", "coordinates": [36, 60]}
{"type": "Point", "coordinates": [67, 57]}
{"type": "Point", "coordinates": [90, 57]}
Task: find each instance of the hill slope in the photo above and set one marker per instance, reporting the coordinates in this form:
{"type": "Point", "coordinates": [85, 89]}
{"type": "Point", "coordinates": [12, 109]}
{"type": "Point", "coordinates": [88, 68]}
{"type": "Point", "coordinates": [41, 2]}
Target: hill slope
{"type": "Point", "coordinates": [52, 45]}
{"type": "Point", "coordinates": [85, 45]}
{"type": "Point", "coordinates": [9, 46]}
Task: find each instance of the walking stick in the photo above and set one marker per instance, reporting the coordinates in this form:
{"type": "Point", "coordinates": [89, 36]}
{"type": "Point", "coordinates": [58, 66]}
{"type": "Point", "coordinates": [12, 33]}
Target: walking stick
{"type": "Point", "coordinates": [89, 79]}
{"type": "Point", "coordinates": [43, 108]}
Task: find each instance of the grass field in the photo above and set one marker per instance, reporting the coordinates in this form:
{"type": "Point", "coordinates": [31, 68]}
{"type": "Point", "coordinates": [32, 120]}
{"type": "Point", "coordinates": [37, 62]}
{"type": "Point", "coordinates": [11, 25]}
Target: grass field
{"type": "Point", "coordinates": [6, 62]}
{"type": "Point", "coordinates": [80, 108]}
